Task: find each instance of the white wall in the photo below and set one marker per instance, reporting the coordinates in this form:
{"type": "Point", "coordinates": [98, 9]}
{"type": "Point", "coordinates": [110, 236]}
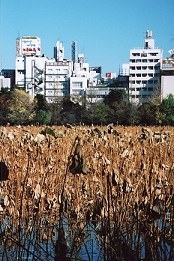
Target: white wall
{"type": "Point", "coordinates": [4, 82]}
{"type": "Point", "coordinates": [167, 85]}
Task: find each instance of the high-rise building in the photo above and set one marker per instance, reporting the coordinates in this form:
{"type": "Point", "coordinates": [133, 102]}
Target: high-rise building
{"type": "Point", "coordinates": [144, 72]}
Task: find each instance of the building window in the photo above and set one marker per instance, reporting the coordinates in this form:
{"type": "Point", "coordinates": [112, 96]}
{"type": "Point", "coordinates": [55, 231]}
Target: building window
{"type": "Point", "coordinates": [150, 81]}
{"type": "Point", "coordinates": [153, 54]}
{"type": "Point", "coordinates": [138, 67]}
{"type": "Point", "coordinates": [150, 89]}
{"type": "Point", "coordinates": [144, 60]}
{"type": "Point", "coordinates": [135, 54]}
{"type": "Point", "coordinates": [144, 74]}
{"type": "Point", "coordinates": [150, 67]}
{"type": "Point", "coordinates": [144, 55]}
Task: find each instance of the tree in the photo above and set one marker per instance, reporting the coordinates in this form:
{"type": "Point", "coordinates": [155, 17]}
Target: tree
{"type": "Point", "coordinates": [167, 110]}
{"type": "Point", "coordinates": [116, 96]}
{"type": "Point", "coordinates": [4, 97]}
{"type": "Point", "coordinates": [71, 112]}
{"type": "Point", "coordinates": [98, 114]}
{"type": "Point", "coordinates": [117, 100]}
{"type": "Point", "coordinates": [43, 112]}
{"type": "Point", "coordinates": [148, 113]}
{"type": "Point", "coordinates": [43, 117]}
{"type": "Point", "coordinates": [41, 103]}
{"type": "Point", "coordinates": [20, 107]}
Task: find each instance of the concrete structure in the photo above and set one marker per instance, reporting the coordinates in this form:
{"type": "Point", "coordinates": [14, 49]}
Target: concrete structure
{"type": "Point", "coordinates": [28, 46]}
{"type": "Point", "coordinates": [5, 82]}
{"type": "Point", "coordinates": [124, 70]}
{"type": "Point", "coordinates": [30, 73]}
{"type": "Point", "coordinates": [167, 75]}
{"type": "Point", "coordinates": [9, 73]}
{"type": "Point", "coordinates": [144, 72]}
{"type": "Point", "coordinates": [55, 77]}
{"type": "Point", "coordinates": [57, 74]}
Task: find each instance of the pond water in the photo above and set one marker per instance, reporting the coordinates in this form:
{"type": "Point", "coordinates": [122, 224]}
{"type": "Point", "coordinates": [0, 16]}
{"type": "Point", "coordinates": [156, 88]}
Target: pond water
{"type": "Point", "coordinates": [40, 244]}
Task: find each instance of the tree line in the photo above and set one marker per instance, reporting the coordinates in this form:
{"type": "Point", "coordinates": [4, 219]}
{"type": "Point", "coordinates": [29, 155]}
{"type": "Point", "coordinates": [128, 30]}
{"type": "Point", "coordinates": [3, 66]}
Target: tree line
{"type": "Point", "coordinates": [18, 107]}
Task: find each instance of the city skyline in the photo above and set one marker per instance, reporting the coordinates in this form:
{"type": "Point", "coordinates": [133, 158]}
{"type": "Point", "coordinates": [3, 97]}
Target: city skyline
{"type": "Point", "coordinates": [104, 31]}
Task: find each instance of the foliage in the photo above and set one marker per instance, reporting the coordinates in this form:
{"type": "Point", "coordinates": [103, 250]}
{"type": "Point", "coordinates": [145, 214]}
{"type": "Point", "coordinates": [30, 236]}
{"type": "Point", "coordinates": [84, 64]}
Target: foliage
{"type": "Point", "coordinates": [3, 108]}
{"type": "Point", "coordinates": [20, 108]}
{"type": "Point", "coordinates": [17, 107]}
{"type": "Point", "coordinates": [148, 113]}
{"type": "Point", "coordinates": [98, 114]}
{"type": "Point", "coordinates": [43, 117]}
{"type": "Point", "coordinates": [167, 110]}
{"type": "Point", "coordinates": [71, 112]}
{"type": "Point", "coordinates": [116, 96]}
{"type": "Point", "coordinates": [41, 103]}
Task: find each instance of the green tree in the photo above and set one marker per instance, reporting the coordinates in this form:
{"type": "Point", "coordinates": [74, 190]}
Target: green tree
{"type": "Point", "coordinates": [41, 103]}
{"type": "Point", "coordinates": [43, 117]}
{"type": "Point", "coordinates": [71, 112]}
{"type": "Point", "coordinates": [117, 100]}
{"type": "Point", "coordinates": [98, 114]}
{"type": "Point", "coordinates": [4, 97]}
{"type": "Point", "coordinates": [148, 113]}
{"type": "Point", "coordinates": [20, 107]}
{"type": "Point", "coordinates": [167, 110]}
{"type": "Point", "coordinates": [116, 96]}
{"type": "Point", "coordinates": [43, 111]}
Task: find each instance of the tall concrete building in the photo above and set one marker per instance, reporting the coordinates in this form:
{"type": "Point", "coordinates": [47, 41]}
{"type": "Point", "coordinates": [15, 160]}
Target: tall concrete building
{"type": "Point", "coordinates": [144, 70]}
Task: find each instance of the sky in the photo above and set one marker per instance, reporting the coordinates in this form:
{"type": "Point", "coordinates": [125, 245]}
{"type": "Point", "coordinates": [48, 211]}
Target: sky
{"type": "Point", "coordinates": [104, 30]}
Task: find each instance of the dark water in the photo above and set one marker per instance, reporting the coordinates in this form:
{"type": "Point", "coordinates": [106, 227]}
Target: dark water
{"type": "Point", "coordinates": [32, 246]}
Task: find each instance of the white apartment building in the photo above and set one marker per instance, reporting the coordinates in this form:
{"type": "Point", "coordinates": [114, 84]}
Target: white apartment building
{"type": "Point", "coordinates": [167, 76]}
{"type": "Point", "coordinates": [57, 74]}
{"type": "Point", "coordinates": [83, 76]}
{"type": "Point", "coordinates": [29, 71]}
{"type": "Point", "coordinates": [144, 70]}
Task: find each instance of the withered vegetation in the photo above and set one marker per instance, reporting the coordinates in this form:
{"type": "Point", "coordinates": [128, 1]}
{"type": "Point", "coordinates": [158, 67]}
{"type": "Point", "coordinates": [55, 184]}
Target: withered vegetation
{"type": "Point", "coordinates": [119, 179]}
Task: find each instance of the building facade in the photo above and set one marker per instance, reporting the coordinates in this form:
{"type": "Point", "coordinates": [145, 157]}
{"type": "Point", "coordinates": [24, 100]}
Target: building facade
{"type": "Point", "coordinates": [167, 76]}
{"type": "Point", "coordinates": [5, 82]}
{"type": "Point", "coordinates": [144, 70]}
{"type": "Point", "coordinates": [56, 77]}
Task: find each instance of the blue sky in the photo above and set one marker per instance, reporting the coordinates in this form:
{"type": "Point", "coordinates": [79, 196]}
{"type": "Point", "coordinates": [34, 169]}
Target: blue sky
{"type": "Point", "coordinates": [105, 30]}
